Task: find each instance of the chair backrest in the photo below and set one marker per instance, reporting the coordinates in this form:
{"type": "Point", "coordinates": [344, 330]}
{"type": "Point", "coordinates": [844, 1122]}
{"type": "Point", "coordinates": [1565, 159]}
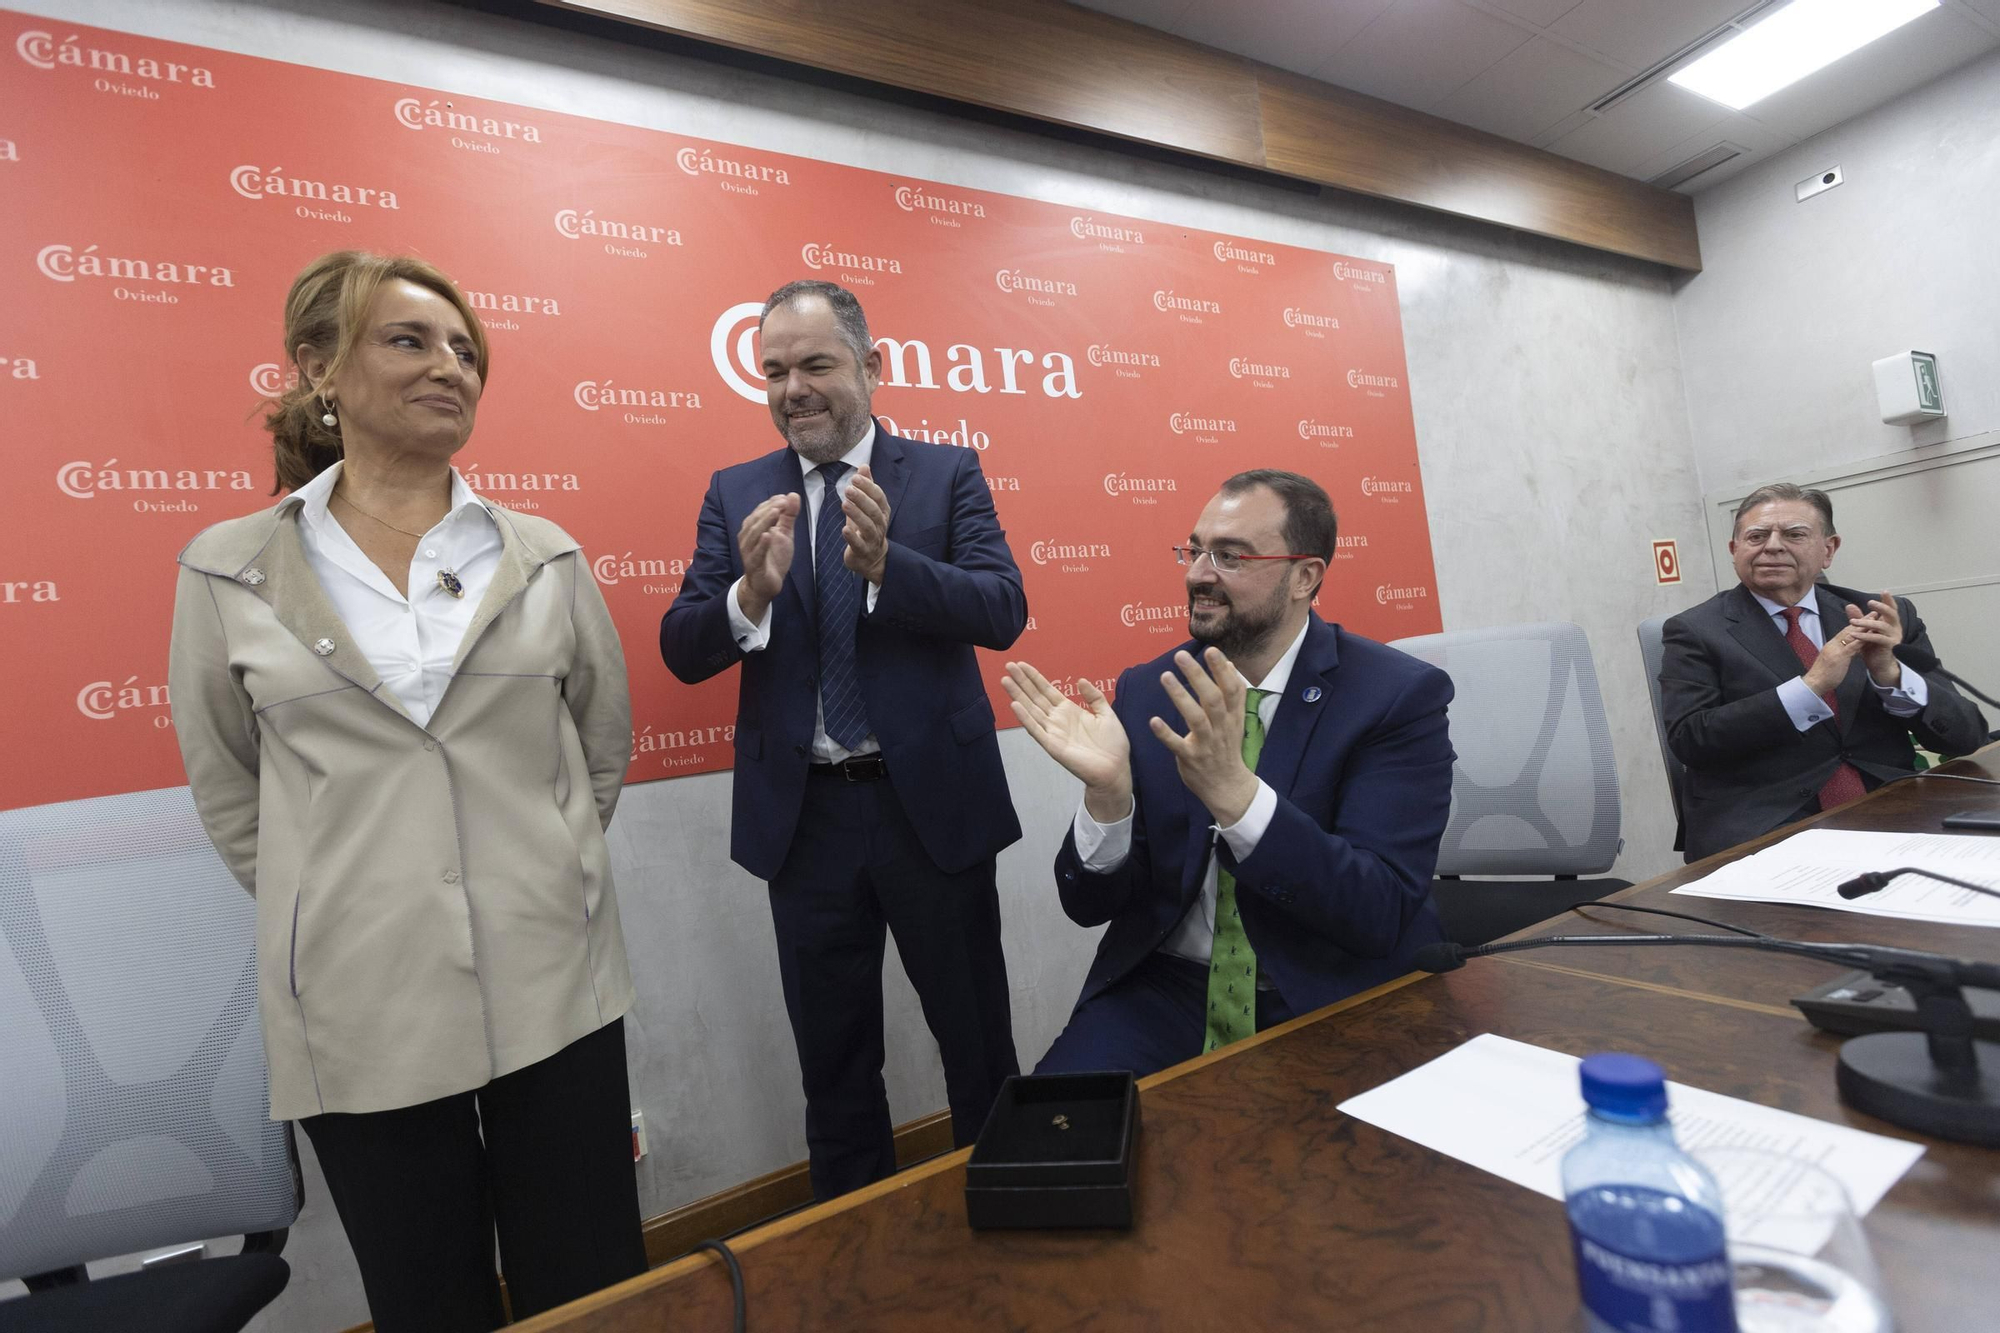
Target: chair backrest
{"type": "Point", "coordinates": [134, 1110]}
{"type": "Point", "coordinates": [1653, 651]}
{"type": "Point", "coordinates": [1535, 787]}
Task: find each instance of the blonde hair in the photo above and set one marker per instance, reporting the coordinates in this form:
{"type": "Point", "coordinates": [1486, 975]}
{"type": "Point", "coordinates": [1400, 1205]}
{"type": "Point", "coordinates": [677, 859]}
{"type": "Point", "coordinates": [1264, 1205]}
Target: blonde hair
{"type": "Point", "coordinates": [325, 311]}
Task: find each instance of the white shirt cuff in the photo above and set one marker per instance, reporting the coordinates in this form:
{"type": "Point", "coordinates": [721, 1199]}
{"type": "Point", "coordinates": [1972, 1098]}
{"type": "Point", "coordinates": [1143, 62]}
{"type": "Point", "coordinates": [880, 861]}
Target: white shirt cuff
{"type": "Point", "coordinates": [1244, 835]}
{"type": "Point", "coordinates": [1805, 708]}
{"type": "Point", "coordinates": [1102, 847]}
{"type": "Point", "coordinates": [1907, 697]}
{"type": "Point", "coordinates": [750, 638]}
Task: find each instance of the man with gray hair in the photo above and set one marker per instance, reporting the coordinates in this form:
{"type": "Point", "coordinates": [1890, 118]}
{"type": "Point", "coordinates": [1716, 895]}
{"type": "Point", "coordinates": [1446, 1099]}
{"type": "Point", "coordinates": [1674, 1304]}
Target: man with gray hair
{"type": "Point", "coordinates": [852, 572]}
{"type": "Point", "coordinates": [1786, 695]}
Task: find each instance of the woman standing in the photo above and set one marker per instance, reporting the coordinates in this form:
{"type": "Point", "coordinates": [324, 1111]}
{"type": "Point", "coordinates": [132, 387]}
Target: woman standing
{"type": "Point", "coordinates": [403, 713]}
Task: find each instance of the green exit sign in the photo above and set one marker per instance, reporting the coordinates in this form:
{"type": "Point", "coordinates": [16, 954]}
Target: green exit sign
{"type": "Point", "coordinates": [1930, 395]}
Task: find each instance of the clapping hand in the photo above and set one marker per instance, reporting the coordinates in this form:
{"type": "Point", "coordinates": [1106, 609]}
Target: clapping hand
{"type": "Point", "coordinates": [1087, 738]}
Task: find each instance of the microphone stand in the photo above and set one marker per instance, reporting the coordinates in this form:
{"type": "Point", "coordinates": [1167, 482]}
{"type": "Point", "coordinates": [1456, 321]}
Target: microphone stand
{"type": "Point", "coordinates": [1935, 1079]}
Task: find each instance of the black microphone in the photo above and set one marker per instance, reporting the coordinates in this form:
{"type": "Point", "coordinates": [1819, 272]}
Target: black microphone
{"type": "Point", "coordinates": [1929, 1080]}
{"type": "Point", "coordinates": [1876, 880]}
{"type": "Point", "coordinates": [1883, 962]}
{"type": "Point", "coordinates": [1928, 664]}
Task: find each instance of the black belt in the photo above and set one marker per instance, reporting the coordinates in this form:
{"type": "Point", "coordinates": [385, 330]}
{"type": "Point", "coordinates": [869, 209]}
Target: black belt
{"type": "Point", "coordinates": [854, 768]}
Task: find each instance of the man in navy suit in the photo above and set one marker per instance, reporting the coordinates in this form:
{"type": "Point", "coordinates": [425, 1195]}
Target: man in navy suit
{"type": "Point", "coordinates": [868, 790]}
{"type": "Point", "coordinates": [1270, 851]}
{"type": "Point", "coordinates": [1783, 696]}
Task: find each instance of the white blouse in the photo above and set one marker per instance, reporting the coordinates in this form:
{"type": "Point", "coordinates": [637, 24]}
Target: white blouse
{"type": "Point", "coordinates": [410, 641]}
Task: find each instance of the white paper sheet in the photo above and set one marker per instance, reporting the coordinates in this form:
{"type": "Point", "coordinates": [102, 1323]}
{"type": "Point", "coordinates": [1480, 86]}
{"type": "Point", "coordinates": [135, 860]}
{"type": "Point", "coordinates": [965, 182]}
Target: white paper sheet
{"type": "Point", "coordinates": [1513, 1109]}
{"type": "Point", "coordinates": [1809, 867]}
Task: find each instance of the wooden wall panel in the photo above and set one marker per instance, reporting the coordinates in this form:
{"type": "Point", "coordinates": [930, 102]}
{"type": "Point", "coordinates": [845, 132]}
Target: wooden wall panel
{"type": "Point", "coordinates": [1069, 66]}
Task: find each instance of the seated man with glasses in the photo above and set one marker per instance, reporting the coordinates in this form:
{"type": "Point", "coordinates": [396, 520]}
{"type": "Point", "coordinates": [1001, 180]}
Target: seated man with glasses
{"type": "Point", "coordinates": [1786, 695]}
{"type": "Point", "coordinates": [1259, 851]}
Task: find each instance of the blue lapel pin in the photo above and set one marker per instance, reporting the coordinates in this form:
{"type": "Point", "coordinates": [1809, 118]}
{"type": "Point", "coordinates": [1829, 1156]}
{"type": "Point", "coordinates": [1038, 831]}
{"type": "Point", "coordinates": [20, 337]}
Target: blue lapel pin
{"type": "Point", "coordinates": [1312, 694]}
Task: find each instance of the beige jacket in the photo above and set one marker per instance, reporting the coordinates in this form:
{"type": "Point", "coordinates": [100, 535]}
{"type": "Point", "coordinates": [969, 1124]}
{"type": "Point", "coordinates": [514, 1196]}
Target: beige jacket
{"type": "Point", "coordinates": [434, 904]}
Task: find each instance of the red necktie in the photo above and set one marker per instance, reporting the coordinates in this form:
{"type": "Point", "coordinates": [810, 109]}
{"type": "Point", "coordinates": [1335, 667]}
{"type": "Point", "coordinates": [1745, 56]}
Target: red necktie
{"type": "Point", "coordinates": [1845, 784]}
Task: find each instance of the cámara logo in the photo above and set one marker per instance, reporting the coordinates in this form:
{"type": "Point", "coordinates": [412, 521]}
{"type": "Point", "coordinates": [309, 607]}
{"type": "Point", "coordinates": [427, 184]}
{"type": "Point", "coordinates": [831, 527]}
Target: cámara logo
{"type": "Point", "coordinates": [679, 748]}
{"type": "Point", "coordinates": [1296, 318]}
{"type": "Point", "coordinates": [1346, 544]}
{"type": "Point", "coordinates": [1242, 368]}
{"type": "Point", "coordinates": [437, 114]}
{"type": "Point", "coordinates": [66, 263]}
{"type": "Point", "coordinates": [575, 226]}
{"type": "Point", "coordinates": [83, 480]}
{"type": "Point", "coordinates": [1347, 272]}
{"type": "Point", "coordinates": [595, 395]}
{"type": "Point", "coordinates": [509, 303]}
{"type": "Point", "coordinates": [1371, 487]}
{"type": "Point", "coordinates": [945, 209]}
{"type": "Point", "coordinates": [1228, 252]}
{"type": "Point", "coordinates": [817, 257]}
{"type": "Point", "coordinates": [698, 162]}
{"type": "Point", "coordinates": [1387, 593]}
{"type": "Point", "coordinates": [268, 379]}
{"type": "Point", "coordinates": [1122, 483]}
{"type": "Point", "coordinates": [1161, 617]}
{"type": "Point", "coordinates": [1359, 379]}
{"type": "Point", "coordinates": [611, 570]}
{"type": "Point", "coordinates": [1170, 303]}
{"type": "Point", "coordinates": [1325, 432]}
{"type": "Point", "coordinates": [906, 364]}
{"type": "Point", "coordinates": [1184, 423]}
{"type": "Point", "coordinates": [43, 51]}
{"type": "Point", "coordinates": [1103, 354]}
{"type": "Point", "coordinates": [254, 182]}
{"type": "Point", "coordinates": [1045, 552]}
{"type": "Point", "coordinates": [1090, 229]}
{"type": "Point", "coordinates": [102, 700]}
{"type": "Point", "coordinates": [1013, 280]}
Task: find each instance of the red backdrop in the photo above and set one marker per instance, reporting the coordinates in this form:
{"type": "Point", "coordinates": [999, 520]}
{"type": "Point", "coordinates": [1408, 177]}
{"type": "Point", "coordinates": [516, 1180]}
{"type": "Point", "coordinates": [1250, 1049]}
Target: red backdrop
{"type": "Point", "coordinates": [159, 198]}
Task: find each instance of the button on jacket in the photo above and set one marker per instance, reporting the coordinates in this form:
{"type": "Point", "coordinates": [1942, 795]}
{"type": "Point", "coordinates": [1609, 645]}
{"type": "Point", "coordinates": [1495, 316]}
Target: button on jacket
{"type": "Point", "coordinates": [434, 903]}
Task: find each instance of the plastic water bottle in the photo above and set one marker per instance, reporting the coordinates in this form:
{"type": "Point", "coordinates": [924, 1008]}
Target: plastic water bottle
{"type": "Point", "coordinates": [1645, 1219]}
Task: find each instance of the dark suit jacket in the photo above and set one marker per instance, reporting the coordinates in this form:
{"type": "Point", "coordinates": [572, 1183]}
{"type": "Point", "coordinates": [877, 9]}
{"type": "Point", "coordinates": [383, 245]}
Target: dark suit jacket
{"type": "Point", "coordinates": [950, 583]}
{"type": "Point", "coordinates": [1749, 770]}
{"type": "Point", "coordinates": [1338, 891]}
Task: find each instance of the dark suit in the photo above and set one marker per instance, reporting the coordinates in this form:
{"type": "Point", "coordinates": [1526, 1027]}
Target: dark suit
{"type": "Point", "coordinates": [915, 851]}
{"type": "Point", "coordinates": [1749, 769]}
{"type": "Point", "coordinates": [1336, 894]}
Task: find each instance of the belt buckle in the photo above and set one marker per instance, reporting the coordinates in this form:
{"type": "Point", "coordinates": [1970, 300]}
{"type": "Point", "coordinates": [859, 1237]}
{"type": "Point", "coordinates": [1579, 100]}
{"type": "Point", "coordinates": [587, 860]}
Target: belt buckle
{"type": "Point", "coordinates": [864, 768]}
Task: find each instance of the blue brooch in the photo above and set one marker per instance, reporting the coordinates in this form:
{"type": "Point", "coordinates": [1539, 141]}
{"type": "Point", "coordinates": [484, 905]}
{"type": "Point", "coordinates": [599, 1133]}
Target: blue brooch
{"type": "Point", "coordinates": [449, 582]}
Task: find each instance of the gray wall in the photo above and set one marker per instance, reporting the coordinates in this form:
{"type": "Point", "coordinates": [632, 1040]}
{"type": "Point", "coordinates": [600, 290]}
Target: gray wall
{"type": "Point", "coordinates": [1797, 299]}
{"type": "Point", "coordinates": [1552, 434]}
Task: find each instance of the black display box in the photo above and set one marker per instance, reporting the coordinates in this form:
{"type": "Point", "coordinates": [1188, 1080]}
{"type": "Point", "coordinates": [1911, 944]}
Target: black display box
{"type": "Point", "coordinates": [1056, 1151]}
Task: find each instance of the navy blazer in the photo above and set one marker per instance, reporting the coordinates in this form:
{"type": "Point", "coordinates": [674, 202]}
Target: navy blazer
{"type": "Point", "coordinates": [1749, 770]}
{"type": "Point", "coordinates": [1337, 894]}
{"type": "Point", "coordinates": [950, 583]}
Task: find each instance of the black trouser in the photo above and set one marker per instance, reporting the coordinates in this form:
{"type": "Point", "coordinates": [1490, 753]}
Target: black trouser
{"type": "Point", "coordinates": [855, 866]}
{"type": "Point", "coordinates": [543, 1155]}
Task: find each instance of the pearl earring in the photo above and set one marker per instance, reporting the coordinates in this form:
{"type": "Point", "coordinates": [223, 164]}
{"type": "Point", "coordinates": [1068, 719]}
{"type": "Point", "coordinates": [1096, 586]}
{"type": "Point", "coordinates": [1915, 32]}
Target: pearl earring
{"type": "Point", "coordinates": [327, 418]}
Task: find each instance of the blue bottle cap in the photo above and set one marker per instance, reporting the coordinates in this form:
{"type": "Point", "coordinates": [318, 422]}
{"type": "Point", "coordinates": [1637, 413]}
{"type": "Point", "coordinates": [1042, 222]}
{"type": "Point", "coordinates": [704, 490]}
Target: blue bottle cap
{"type": "Point", "coordinates": [1624, 1087]}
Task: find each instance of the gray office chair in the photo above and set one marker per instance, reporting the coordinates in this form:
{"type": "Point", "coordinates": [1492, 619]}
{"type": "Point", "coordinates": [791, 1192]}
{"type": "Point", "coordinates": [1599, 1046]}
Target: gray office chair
{"type": "Point", "coordinates": [1535, 787]}
{"type": "Point", "coordinates": [133, 1107]}
{"type": "Point", "coordinates": [1653, 651]}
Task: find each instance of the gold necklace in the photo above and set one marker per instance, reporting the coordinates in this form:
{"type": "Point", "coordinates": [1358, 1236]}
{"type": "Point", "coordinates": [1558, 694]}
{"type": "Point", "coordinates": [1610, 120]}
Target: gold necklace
{"type": "Point", "coordinates": [337, 495]}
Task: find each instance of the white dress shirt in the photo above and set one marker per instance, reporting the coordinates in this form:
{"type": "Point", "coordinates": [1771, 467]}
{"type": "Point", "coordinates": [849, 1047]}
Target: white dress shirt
{"type": "Point", "coordinates": [1104, 847]}
{"type": "Point", "coordinates": [754, 638]}
{"type": "Point", "coordinates": [1906, 698]}
{"type": "Point", "coordinates": [410, 641]}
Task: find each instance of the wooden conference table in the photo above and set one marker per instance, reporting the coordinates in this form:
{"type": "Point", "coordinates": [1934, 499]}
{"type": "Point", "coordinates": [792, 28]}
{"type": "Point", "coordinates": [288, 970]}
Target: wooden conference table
{"type": "Point", "coordinates": [1261, 1207]}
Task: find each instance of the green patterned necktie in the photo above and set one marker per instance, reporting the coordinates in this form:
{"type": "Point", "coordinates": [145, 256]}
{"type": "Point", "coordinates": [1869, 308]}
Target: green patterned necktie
{"type": "Point", "coordinates": [1232, 963]}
